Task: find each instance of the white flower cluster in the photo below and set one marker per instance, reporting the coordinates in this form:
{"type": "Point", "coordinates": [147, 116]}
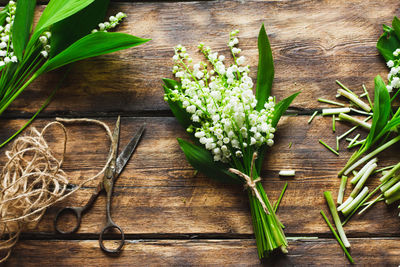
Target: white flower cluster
{"type": "Point", "coordinates": [112, 23]}
{"type": "Point", "coordinates": [6, 47]}
{"type": "Point", "coordinates": [44, 40]}
{"type": "Point", "coordinates": [221, 103]}
{"type": "Point", "coordinates": [394, 74]}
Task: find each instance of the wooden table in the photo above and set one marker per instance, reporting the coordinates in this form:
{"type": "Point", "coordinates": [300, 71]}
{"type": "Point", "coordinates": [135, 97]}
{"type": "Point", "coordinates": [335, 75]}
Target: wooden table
{"type": "Point", "coordinates": [172, 216]}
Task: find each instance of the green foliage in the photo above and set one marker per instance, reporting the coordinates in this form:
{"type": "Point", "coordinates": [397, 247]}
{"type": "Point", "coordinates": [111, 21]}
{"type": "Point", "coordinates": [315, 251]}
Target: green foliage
{"type": "Point", "coordinates": [176, 107]}
{"type": "Point", "coordinates": [94, 44]}
{"type": "Point", "coordinates": [71, 23]}
{"type": "Point", "coordinates": [381, 110]}
{"type": "Point", "coordinates": [83, 22]}
{"type": "Point", "coordinates": [202, 160]}
{"type": "Point", "coordinates": [281, 108]}
{"type": "Point", "coordinates": [265, 74]}
{"type": "Point", "coordinates": [22, 26]}
{"type": "Point", "coordinates": [389, 40]}
{"type": "Point", "coordinates": [3, 14]}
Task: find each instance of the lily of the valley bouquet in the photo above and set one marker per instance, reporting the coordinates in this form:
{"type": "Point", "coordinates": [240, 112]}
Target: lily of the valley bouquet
{"type": "Point", "coordinates": [231, 127]}
{"type": "Point", "coordinates": [67, 31]}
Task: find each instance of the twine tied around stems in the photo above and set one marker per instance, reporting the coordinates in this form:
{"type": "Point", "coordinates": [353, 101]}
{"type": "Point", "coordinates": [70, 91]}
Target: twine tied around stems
{"type": "Point", "coordinates": [31, 181]}
{"type": "Point", "coordinates": [251, 183]}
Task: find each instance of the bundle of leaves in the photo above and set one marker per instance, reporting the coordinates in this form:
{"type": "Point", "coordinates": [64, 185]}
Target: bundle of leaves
{"type": "Point", "coordinates": [66, 32]}
{"type": "Point", "coordinates": [230, 127]}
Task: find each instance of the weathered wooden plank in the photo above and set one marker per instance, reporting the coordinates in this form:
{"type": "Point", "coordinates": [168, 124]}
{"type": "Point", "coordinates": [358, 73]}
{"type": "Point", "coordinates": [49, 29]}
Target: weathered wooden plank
{"type": "Point", "coordinates": [235, 252]}
{"type": "Point", "coordinates": [159, 194]}
{"type": "Point", "coordinates": [314, 43]}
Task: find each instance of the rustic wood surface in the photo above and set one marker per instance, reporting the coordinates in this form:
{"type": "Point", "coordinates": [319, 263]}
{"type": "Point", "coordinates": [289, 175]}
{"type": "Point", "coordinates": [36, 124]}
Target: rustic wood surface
{"type": "Point", "coordinates": [172, 216]}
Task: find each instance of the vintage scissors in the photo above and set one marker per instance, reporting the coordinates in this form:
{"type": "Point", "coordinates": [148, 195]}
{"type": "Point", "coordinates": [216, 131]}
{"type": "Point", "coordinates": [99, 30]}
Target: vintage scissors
{"type": "Point", "coordinates": [111, 174]}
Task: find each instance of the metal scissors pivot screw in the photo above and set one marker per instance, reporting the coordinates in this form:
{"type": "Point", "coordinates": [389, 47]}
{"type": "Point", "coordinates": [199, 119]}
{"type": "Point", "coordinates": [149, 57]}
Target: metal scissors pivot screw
{"type": "Point", "coordinates": [111, 174]}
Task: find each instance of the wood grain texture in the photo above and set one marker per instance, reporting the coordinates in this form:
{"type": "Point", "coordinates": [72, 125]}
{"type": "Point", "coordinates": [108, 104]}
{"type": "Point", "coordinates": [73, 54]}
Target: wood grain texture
{"type": "Point", "coordinates": [158, 193]}
{"type": "Point", "coordinates": [313, 43]}
{"type": "Point", "coordinates": [234, 252]}
{"type": "Point", "coordinates": [172, 216]}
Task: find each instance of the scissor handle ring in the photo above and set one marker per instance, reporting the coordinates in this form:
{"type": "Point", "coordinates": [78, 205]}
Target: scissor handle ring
{"type": "Point", "coordinates": [121, 242]}
{"type": "Point", "coordinates": [77, 212]}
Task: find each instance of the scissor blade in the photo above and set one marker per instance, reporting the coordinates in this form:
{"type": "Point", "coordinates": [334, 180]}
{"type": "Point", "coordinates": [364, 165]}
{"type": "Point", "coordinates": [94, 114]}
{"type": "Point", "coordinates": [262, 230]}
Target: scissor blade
{"type": "Point", "coordinates": [126, 154]}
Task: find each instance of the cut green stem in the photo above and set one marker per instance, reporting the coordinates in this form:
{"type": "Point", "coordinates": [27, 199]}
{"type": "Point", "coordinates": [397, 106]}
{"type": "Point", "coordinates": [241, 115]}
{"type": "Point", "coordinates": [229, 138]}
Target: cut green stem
{"type": "Point", "coordinates": [334, 111]}
{"type": "Point", "coordinates": [322, 100]}
{"type": "Point", "coordinates": [355, 121]}
{"type": "Point", "coordinates": [356, 201]}
{"type": "Point", "coordinates": [336, 219]}
{"type": "Point", "coordinates": [337, 237]}
{"type": "Point", "coordinates": [313, 116]}
{"type": "Point", "coordinates": [329, 148]}
{"type": "Point", "coordinates": [342, 188]}
{"type": "Point", "coordinates": [280, 197]}
{"type": "Point", "coordinates": [351, 166]}
{"type": "Point", "coordinates": [354, 98]}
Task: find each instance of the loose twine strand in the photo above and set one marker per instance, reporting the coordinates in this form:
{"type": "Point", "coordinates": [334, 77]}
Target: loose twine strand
{"type": "Point", "coordinates": [250, 183]}
{"type": "Point", "coordinates": [32, 180]}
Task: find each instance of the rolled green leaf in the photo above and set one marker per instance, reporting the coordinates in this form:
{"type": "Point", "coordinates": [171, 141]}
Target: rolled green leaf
{"type": "Point", "coordinates": [390, 173]}
{"type": "Point", "coordinates": [393, 190]}
{"type": "Point", "coordinates": [359, 174]}
{"type": "Point", "coordinates": [363, 179]}
{"type": "Point", "coordinates": [349, 208]}
{"type": "Point", "coordinates": [342, 188]}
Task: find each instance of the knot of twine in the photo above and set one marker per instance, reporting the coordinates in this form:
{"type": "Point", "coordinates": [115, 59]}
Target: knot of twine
{"type": "Point", "coordinates": [251, 183]}
{"type": "Point", "coordinates": [31, 181]}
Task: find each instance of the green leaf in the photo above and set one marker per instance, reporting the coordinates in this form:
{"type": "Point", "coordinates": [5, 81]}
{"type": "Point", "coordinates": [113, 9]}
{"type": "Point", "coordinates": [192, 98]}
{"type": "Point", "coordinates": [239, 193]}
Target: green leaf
{"type": "Point", "coordinates": [69, 30]}
{"type": "Point", "coordinates": [3, 15]}
{"type": "Point", "coordinates": [55, 11]}
{"type": "Point", "coordinates": [382, 109]}
{"type": "Point", "coordinates": [265, 74]}
{"type": "Point", "coordinates": [396, 26]}
{"type": "Point", "coordinates": [176, 107]}
{"type": "Point", "coordinates": [22, 26]}
{"type": "Point", "coordinates": [202, 160]}
{"type": "Point", "coordinates": [92, 45]}
{"type": "Point", "coordinates": [58, 10]}
{"type": "Point", "coordinates": [388, 43]}
{"type": "Point", "coordinates": [281, 108]}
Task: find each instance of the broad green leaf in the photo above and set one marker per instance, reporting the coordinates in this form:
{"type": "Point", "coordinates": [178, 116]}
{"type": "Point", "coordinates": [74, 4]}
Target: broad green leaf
{"type": "Point", "coordinates": [396, 26]}
{"type": "Point", "coordinates": [382, 109]}
{"type": "Point", "coordinates": [92, 45]}
{"type": "Point", "coordinates": [265, 74]}
{"type": "Point", "coordinates": [58, 10]}
{"type": "Point", "coordinates": [55, 11]}
{"type": "Point", "coordinates": [69, 30]}
{"type": "Point", "coordinates": [22, 26]}
{"type": "Point", "coordinates": [388, 43]}
{"type": "Point", "coordinates": [3, 15]}
{"type": "Point", "coordinates": [202, 160]}
{"type": "Point", "coordinates": [179, 112]}
{"type": "Point", "coordinates": [281, 108]}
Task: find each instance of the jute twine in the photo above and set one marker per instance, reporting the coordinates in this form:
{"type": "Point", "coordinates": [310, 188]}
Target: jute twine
{"type": "Point", "coordinates": [31, 181]}
{"type": "Point", "coordinates": [251, 183]}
